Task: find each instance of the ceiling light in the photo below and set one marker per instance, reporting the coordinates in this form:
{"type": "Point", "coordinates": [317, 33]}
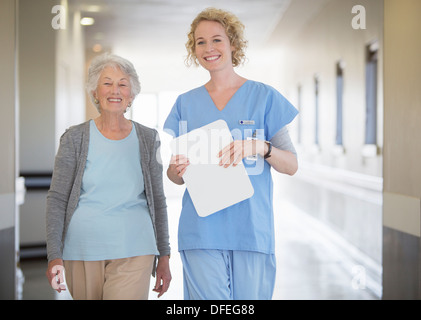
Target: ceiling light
{"type": "Point", "coordinates": [93, 8]}
{"type": "Point", "coordinates": [87, 21]}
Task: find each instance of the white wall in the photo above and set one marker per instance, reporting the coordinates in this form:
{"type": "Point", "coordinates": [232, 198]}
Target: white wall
{"type": "Point", "coordinates": [37, 86]}
{"type": "Point", "coordinates": [327, 39]}
{"type": "Point", "coordinates": [51, 80]}
{"type": "Point", "coordinates": [70, 73]}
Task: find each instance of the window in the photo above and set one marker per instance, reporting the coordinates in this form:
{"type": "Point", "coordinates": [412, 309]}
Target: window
{"type": "Point", "coordinates": [371, 100]}
{"type": "Point", "coordinates": [339, 102]}
{"type": "Point", "coordinates": [316, 111]}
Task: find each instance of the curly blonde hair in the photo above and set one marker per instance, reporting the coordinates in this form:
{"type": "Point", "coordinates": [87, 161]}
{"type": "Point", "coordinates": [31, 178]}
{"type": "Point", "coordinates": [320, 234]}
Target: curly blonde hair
{"type": "Point", "coordinates": [233, 28]}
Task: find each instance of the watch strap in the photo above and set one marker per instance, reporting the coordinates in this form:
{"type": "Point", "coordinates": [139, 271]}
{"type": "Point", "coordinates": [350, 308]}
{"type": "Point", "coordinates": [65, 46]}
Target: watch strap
{"type": "Point", "coordinates": [267, 155]}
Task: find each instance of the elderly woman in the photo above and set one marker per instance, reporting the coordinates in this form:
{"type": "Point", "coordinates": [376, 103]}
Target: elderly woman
{"type": "Point", "coordinates": [230, 254]}
{"type": "Point", "coordinates": [106, 210]}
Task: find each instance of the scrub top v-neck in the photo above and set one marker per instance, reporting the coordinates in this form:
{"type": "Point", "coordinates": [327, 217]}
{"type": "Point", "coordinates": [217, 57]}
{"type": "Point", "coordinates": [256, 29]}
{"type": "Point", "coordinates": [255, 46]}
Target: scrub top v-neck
{"type": "Point", "coordinates": [255, 110]}
{"type": "Point", "coordinates": [228, 102]}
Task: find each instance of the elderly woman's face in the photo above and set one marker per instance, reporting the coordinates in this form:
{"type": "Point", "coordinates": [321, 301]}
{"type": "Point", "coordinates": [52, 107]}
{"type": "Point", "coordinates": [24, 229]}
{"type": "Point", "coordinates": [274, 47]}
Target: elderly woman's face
{"type": "Point", "coordinates": [113, 90]}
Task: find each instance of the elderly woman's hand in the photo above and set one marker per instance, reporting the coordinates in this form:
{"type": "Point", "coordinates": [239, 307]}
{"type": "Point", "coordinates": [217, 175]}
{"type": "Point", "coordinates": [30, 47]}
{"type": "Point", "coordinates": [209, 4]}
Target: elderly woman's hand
{"type": "Point", "coordinates": [163, 275]}
{"type": "Point", "coordinates": [55, 275]}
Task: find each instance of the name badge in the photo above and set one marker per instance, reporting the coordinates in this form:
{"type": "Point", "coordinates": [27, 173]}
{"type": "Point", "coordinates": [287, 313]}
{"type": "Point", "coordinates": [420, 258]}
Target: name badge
{"type": "Point", "coordinates": [246, 122]}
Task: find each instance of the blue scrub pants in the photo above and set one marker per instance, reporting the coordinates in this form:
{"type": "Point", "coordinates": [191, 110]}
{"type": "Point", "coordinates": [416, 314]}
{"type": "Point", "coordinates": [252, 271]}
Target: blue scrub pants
{"type": "Point", "coordinates": [228, 275]}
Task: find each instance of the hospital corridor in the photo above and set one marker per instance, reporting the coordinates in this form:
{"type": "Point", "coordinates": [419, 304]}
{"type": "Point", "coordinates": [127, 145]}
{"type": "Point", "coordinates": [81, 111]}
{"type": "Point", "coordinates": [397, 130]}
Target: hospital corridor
{"type": "Point", "coordinates": [346, 224]}
{"type": "Point", "coordinates": [309, 265]}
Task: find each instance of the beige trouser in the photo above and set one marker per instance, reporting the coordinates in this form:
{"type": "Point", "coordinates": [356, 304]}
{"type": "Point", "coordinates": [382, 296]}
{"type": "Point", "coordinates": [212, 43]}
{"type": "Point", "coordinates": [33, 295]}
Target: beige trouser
{"type": "Point", "coordinates": [119, 279]}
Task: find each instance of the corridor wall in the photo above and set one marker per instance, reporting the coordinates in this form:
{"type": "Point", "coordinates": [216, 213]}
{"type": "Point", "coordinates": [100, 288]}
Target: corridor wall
{"type": "Point", "coordinates": [402, 150]}
{"type": "Point", "coordinates": [339, 181]}
{"type": "Point", "coordinates": [8, 142]}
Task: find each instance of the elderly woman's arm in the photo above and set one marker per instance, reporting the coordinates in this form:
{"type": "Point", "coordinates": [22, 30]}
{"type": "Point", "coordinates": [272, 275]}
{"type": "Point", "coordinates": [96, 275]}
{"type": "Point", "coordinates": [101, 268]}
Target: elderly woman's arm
{"type": "Point", "coordinates": [161, 218]}
{"type": "Point", "coordinates": [163, 274]}
{"type": "Point", "coordinates": [57, 200]}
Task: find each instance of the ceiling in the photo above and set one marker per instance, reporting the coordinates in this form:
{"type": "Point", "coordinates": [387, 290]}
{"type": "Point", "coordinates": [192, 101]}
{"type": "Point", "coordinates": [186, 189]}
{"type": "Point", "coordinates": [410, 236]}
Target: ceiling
{"type": "Point", "coordinates": [155, 25]}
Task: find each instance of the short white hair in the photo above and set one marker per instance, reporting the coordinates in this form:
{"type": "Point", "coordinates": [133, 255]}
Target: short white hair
{"type": "Point", "coordinates": [104, 60]}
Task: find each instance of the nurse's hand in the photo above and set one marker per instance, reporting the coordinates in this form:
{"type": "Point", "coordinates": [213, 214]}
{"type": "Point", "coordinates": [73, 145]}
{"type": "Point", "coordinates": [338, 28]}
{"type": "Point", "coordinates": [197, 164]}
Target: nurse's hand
{"type": "Point", "coordinates": [239, 149]}
{"type": "Point", "coordinates": [177, 168]}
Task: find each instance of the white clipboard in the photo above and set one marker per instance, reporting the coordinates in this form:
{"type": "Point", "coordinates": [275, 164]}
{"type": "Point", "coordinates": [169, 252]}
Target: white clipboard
{"type": "Point", "coordinates": [211, 187]}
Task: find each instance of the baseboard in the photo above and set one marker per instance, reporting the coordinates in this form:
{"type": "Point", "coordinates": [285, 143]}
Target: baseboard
{"type": "Point", "coordinates": [33, 251]}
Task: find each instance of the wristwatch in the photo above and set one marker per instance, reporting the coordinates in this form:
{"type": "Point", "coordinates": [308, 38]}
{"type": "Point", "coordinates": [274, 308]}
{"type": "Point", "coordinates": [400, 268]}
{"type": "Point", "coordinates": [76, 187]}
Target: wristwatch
{"type": "Point", "coordinates": [267, 155]}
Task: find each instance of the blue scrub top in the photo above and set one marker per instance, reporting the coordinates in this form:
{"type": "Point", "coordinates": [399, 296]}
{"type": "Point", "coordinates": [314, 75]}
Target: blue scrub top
{"type": "Point", "coordinates": [255, 109]}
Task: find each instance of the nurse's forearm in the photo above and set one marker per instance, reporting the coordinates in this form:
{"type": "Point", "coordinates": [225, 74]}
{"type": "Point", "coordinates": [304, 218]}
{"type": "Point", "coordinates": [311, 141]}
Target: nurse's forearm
{"type": "Point", "coordinates": [283, 161]}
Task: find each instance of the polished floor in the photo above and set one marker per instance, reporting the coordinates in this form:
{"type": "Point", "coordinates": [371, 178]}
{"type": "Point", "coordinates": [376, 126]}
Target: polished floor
{"type": "Point", "coordinates": [309, 267]}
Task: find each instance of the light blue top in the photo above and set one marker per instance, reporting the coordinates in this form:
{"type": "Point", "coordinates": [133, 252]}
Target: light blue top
{"type": "Point", "coordinates": [112, 219]}
{"type": "Point", "coordinates": [257, 109]}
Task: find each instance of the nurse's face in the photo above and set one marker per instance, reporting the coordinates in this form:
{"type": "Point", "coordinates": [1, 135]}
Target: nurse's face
{"type": "Point", "coordinates": [213, 49]}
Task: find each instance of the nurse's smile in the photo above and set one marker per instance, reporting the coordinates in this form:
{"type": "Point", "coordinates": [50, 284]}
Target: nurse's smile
{"type": "Point", "coordinates": [212, 58]}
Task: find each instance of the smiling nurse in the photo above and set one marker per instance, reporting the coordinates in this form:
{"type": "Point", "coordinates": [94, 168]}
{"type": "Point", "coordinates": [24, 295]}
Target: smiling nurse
{"type": "Point", "coordinates": [230, 254]}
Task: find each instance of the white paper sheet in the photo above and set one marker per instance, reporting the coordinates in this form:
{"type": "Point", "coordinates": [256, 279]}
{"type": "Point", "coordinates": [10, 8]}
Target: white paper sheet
{"type": "Point", "coordinates": [211, 187]}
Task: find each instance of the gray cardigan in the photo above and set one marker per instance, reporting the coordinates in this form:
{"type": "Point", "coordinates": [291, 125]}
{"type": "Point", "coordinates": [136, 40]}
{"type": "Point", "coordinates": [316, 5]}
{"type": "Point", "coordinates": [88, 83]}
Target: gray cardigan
{"type": "Point", "coordinates": [69, 166]}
